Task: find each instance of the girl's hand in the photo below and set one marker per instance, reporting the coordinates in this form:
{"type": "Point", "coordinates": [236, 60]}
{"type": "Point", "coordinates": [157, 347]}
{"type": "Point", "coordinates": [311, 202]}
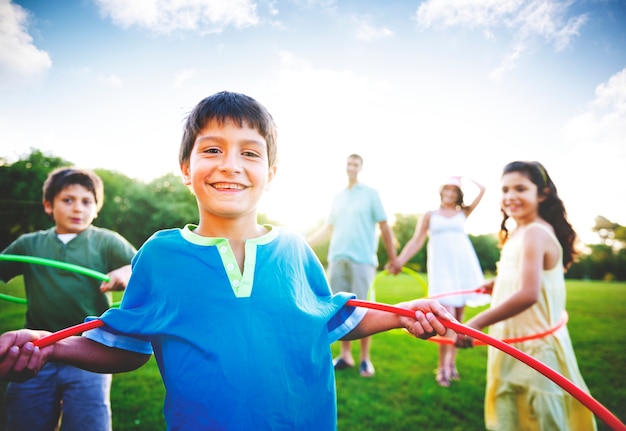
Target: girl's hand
{"type": "Point", "coordinates": [393, 268]}
{"type": "Point", "coordinates": [487, 287]}
{"type": "Point", "coordinates": [463, 341]}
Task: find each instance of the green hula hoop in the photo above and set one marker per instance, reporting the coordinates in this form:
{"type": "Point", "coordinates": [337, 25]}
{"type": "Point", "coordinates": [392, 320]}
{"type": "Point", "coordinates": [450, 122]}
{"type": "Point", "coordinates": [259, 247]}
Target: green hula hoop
{"type": "Point", "coordinates": [15, 299]}
{"type": "Point", "coordinates": [371, 293]}
{"type": "Point", "coordinates": [55, 264]}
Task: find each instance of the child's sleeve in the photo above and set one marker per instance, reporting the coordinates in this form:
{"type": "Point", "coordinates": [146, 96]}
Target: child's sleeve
{"type": "Point", "coordinates": [346, 318]}
{"type": "Point", "coordinates": [110, 338]}
{"type": "Point", "coordinates": [341, 318]}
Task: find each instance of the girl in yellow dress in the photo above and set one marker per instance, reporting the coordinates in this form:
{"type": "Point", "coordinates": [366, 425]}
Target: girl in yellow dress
{"type": "Point", "coordinates": [529, 298]}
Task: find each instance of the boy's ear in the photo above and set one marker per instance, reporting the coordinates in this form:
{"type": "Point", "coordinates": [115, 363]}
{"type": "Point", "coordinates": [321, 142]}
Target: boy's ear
{"type": "Point", "coordinates": [270, 176]}
{"type": "Point", "coordinates": [184, 169]}
{"type": "Point", "coordinates": [47, 207]}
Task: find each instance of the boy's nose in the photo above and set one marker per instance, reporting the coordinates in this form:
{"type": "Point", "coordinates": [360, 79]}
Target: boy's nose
{"type": "Point", "coordinates": [230, 163]}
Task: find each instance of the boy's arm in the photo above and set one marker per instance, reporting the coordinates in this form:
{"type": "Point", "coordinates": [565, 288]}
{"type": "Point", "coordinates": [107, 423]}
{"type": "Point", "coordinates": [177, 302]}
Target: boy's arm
{"type": "Point", "coordinates": [21, 360]}
{"type": "Point", "coordinates": [426, 323]}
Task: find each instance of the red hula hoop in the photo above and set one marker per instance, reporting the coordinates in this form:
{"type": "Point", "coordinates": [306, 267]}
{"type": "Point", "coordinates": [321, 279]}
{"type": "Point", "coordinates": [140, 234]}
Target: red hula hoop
{"type": "Point", "coordinates": [562, 322]}
{"type": "Point", "coordinates": [459, 292]}
{"type": "Point", "coordinates": [67, 332]}
{"type": "Point", "coordinates": [583, 397]}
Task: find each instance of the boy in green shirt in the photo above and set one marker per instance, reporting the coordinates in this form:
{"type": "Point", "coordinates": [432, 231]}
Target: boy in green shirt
{"type": "Point", "coordinates": [59, 298]}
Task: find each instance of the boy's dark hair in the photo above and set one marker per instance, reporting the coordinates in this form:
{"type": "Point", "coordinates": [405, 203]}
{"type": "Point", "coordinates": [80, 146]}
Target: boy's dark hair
{"type": "Point", "coordinates": [60, 178]}
{"type": "Point", "coordinates": [235, 107]}
{"type": "Point", "coordinates": [551, 209]}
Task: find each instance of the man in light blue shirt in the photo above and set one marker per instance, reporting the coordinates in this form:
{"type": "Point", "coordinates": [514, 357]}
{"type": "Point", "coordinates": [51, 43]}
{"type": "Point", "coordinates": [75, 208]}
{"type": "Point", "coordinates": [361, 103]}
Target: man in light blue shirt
{"type": "Point", "coordinates": [352, 260]}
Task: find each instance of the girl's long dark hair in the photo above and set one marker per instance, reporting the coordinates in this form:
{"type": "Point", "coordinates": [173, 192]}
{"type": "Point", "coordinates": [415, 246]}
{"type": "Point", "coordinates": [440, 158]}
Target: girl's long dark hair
{"type": "Point", "coordinates": [551, 209]}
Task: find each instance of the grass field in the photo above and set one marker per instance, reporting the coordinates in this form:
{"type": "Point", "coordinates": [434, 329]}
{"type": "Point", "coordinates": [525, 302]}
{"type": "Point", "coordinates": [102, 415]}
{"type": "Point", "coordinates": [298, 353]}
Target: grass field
{"type": "Point", "coordinates": [403, 394]}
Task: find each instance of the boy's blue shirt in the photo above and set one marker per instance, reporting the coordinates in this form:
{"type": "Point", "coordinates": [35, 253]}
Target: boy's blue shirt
{"type": "Point", "coordinates": [236, 350]}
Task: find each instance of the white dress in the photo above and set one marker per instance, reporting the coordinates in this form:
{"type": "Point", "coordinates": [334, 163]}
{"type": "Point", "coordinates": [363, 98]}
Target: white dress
{"type": "Point", "coordinates": [452, 263]}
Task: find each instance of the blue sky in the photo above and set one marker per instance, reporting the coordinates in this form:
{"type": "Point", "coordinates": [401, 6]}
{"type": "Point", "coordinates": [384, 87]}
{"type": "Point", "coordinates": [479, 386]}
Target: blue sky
{"type": "Point", "coordinates": [421, 89]}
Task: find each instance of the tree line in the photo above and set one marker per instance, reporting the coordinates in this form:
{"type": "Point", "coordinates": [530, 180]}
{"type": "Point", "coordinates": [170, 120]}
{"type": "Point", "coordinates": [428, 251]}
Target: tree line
{"type": "Point", "coordinates": [137, 209]}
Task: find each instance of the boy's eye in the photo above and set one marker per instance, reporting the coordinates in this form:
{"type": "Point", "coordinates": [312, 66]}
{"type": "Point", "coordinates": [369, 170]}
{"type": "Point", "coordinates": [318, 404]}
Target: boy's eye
{"type": "Point", "coordinates": [211, 150]}
{"type": "Point", "coordinates": [250, 154]}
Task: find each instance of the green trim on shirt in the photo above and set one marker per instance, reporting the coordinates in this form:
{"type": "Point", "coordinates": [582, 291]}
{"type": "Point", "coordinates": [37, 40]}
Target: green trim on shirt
{"type": "Point", "coordinates": [240, 283]}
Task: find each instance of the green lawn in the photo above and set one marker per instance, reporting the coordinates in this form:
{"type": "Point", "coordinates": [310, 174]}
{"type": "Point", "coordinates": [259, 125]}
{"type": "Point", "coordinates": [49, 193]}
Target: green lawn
{"type": "Point", "coordinates": [403, 394]}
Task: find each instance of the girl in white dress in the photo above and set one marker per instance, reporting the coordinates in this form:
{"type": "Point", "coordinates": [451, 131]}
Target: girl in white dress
{"type": "Point", "coordinates": [452, 263]}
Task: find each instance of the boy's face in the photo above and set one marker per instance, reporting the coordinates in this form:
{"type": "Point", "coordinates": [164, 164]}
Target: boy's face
{"type": "Point", "coordinates": [73, 209]}
{"type": "Point", "coordinates": [228, 170]}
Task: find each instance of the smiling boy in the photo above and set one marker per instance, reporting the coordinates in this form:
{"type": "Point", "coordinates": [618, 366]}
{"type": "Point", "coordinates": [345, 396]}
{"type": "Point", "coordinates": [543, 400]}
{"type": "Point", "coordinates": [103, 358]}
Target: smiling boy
{"type": "Point", "coordinates": [239, 315]}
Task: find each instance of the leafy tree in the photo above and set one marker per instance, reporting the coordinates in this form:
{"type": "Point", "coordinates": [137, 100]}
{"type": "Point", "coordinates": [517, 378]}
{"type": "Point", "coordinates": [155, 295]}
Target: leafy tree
{"type": "Point", "coordinates": [620, 264]}
{"type": "Point", "coordinates": [597, 264]}
{"type": "Point", "coordinates": [123, 198]}
{"type": "Point", "coordinates": [137, 210]}
{"type": "Point", "coordinates": [487, 250]}
{"type": "Point", "coordinates": [609, 232]}
{"type": "Point", "coordinates": [21, 208]}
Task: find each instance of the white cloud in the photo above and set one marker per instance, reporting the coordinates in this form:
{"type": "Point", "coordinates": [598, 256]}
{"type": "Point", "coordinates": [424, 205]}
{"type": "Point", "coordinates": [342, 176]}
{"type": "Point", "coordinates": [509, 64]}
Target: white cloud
{"type": "Point", "coordinates": [183, 76]}
{"type": "Point", "coordinates": [547, 19]}
{"type": "Point", "coordinates": [523, 19]}
{"type": "Point", "coordinates": [21, 63]}
{"type": "Point", "coordinates": [271, 5]}
{"type": "Point", "coordinates": [165, 16]}
{"type": "Point", "coordinates": [112, 81]}
{"type": "Point", "coordinates": [365, 31]}
{"type": "Point", "coordinates": [602, 125]}
{"type": "Point", "coordinates": [598, 154]}
{"type": "Point", "coordinates": [470, 13]}
{"type": "Point", "coordinates": [508, 63]}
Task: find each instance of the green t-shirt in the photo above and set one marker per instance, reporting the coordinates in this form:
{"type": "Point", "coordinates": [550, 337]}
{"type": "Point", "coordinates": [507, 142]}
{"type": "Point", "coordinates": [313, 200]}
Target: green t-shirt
{"type": "Point", "coordinates": [59, 298]}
